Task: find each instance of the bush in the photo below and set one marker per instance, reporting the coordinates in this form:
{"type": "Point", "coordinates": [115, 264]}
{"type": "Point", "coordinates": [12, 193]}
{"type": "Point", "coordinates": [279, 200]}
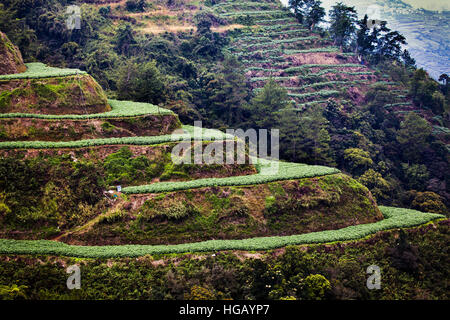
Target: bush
{"type": "Point", "coordinates": [115, 216]}
{"type": "Point", "coordinates": [171, 210]}
{"type": "Point", "coordinates": [200, 293]}
{"type": "Point", "coordinates": [122, 168]}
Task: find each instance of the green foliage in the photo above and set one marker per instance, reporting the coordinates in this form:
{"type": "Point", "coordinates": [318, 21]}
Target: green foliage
{"type": "Point", "coordinates": [13, 292]}
{"type": "Point", "coordinates": [377, 185]}
{"type": "Point", "coordinates": [124, 39]}
{"type": "Point", "coordinates": [415, 175]}
{"type": "Point", "coordinates": [357, 158]}
{"type": "Point", "coordinates": [258, 13]}
{"type": "Point", "coordinates": [229, 277]}
{"type": "Point", "coordinates": [380, 43]}
{"type": "Point", "coordinates": [313, 50]}
{"type": "Point", "coordinates": [308, 12]}
{"type": "Point", "coordinates": [135, 5]}
{"type": "Point", "coordinates": [304, 137]}
{"type": "Point", "coordinates": [171, 210]}
{"type": "Point", "coordinates": [45, 192]}
{"type": "Point", "coordinates": [122, 168]}
{"type": "Point", "coordinates": [110, 218]}
{"type": "Point", "coordinates": [268, 100]}
{"type": "Point", "coordinates": [200, 293]}
{"type": "Point", "coordinates": [328, 66]}
{"type": "Point", "coordinates": [395, 218]}
{"type": "Point", "coordinates": [430, 202]}
{"type": "Point", "coordinates": [322, 93]}
{"type": "Point", "coordinates": [279, 27]}
{"type": "Point", "coordinates": [425, 92]}
{"type": "Point", "coordinates": [272, 42]}
{"type": "Point", "coordinates": [343, 20]}
{"type": "Point", "coordinates": [224, 93]}
{"type": "Point", "coordinates": [223, 7]}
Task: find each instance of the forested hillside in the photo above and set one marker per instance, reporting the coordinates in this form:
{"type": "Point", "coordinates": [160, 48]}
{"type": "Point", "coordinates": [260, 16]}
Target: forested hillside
{"type": "Point", "coordinates": [364, 145]}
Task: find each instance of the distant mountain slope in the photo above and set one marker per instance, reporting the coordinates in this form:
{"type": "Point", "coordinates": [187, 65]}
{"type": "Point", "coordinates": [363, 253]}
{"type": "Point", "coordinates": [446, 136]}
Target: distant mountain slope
{"type": "Point", "coordinates": [427, 32]}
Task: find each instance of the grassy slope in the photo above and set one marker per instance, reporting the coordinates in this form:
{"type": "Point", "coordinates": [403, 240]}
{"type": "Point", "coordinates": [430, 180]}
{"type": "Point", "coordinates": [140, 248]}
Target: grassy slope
{"type": "Point", "coordinates": [395, 218]}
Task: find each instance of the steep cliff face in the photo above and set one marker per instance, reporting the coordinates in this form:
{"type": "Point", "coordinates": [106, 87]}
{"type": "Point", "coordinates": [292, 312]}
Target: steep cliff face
{"type": "Point", "coordinates": [10, 57]}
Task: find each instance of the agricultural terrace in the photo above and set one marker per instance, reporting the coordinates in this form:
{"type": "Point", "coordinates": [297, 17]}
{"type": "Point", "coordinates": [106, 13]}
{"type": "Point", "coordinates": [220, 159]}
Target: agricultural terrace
{"type": "Point", "coordinates": [394, 218]}
{"type": "Point", "coordinates": [308, 65]}
{"type": "Point", "coordinates": [119, 109]}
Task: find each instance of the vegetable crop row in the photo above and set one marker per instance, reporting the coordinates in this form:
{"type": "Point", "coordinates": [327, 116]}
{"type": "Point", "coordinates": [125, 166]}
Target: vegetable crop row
{"type": "Point", "coordinates": [208, 134]}
{"type": "Point", "coordinates": [394, 218]}
{"type": "Point", "coordinates": [120, 109]}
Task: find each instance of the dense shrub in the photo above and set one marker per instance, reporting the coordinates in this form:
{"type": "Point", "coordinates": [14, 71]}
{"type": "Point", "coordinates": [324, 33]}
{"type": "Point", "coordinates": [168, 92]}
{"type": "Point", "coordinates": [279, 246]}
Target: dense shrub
{"type": "Point", "coordinates": [188, 134]}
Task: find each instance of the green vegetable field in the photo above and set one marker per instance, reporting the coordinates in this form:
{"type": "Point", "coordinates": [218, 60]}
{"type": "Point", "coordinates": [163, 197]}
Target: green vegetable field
{"type": "Point", "coordinates": [36, 70]}
{"type": "Point", "coordinates": [281, 171]}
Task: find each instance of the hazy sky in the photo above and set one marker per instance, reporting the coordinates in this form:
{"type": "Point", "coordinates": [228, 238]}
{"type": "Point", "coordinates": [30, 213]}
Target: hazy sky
{"type": "Point", "coordinates": [429, 4]}
{"type": "Point", "coordinates": [425, 4]}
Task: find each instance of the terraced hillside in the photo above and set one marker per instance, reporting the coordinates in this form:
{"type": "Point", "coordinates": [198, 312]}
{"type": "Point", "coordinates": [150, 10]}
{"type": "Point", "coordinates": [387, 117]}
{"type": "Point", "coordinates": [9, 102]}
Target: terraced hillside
{"type": "Point", "coordinates": [275, 45]}
{"type": "Point", "coordinates": [62, 189]}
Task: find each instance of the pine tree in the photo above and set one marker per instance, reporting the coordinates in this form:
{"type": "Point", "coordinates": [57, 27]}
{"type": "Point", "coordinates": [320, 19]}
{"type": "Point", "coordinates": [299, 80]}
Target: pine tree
{"type": "Point", "coordinates": [343, 23]}
{"type": "Point", "coordinates": [265, 104]}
